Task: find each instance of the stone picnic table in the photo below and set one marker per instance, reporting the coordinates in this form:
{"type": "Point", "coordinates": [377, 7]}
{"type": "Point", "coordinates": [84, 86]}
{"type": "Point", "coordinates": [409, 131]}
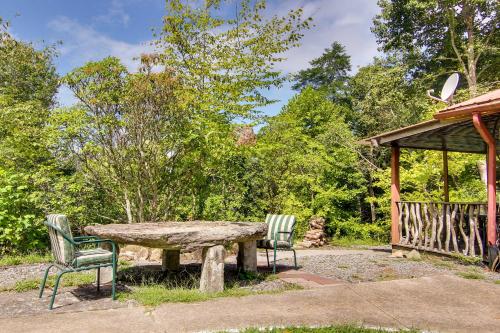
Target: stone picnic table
{"type": "Point", "coordinates": [174, 237]}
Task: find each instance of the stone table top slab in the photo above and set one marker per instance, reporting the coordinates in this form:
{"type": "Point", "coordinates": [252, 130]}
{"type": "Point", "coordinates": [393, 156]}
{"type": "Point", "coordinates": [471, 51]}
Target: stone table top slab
{"type": "Point", "coordinates": [185, 236]}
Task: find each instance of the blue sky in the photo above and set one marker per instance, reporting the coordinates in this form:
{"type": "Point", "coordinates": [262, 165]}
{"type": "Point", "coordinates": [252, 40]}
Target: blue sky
{"type": "Point", "coordinates": [94, 29]}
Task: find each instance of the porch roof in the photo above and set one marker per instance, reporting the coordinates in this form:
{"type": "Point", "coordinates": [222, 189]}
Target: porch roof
{"type": "Point", "coordinates": [451, 129]}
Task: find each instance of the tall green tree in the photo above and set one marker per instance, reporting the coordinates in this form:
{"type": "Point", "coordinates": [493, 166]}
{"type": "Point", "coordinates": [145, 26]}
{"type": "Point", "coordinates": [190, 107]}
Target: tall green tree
{"type": "Point", "coordinates": [227, 60]}
{"type": "Point", "coordinates": [308, 167]}
{"type": "Point", "coordinates": [330, 71]}
{"type": "Point", "coordinates": [449, 35]}
{"type": "Point", "coordinates": [28, 83]}
{"type": "Point", "coordinates": [127, 135]}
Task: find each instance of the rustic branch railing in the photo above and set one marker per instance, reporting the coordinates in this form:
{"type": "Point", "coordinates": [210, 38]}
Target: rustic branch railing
{"type": "Point", "coordinates": [449, 227]}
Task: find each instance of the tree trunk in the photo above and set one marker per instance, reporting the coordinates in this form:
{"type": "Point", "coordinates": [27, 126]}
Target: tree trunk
{"type": "Point", "coordinates": [128, 209]}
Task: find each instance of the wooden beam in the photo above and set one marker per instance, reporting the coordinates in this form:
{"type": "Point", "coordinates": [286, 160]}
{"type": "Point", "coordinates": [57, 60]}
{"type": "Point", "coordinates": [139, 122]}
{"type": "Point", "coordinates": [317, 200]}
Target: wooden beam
{"type": "Point", "coordinates": [491, 176]}
{"type": "Point", "coordinates": [395, 197]}
{"type": "Point", "coordinates": [446, 192]}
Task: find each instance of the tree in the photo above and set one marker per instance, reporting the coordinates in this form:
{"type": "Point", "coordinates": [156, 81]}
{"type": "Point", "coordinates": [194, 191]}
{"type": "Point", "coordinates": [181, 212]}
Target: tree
{"type": "Point", "coordinates": [227, 62]}
{"type": "Point", "coordinates": [308, 167]}
{"type": "Point", "coordinates": [449, 34]}
{"type": "Point", "coordinates": [330, 71]}
{"type": "Point", "coordinates": [127, 135]}
{"type": "Point", "coordinates": [28, 83]}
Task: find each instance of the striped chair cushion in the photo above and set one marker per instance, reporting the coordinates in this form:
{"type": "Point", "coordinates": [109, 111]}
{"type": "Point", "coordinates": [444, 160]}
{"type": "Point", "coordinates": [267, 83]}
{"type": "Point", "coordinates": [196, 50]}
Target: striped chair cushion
{"type": "Point", "coordinates": [269, 244]}
{"type": "Point", "coordinates": [62, 249]}
{"type": "Point", "coordinates": [92, 257]}
{"type": "Point", "coordinates": [277, 223]}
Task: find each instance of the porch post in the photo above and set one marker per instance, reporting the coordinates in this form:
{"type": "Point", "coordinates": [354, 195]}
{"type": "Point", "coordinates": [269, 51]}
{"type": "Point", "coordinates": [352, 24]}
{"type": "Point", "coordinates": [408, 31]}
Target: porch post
{"type": "Point", "coordinates": [446, 191]}
{"type": "Point", "coordinates": [491, 178]}
{"type": "Point", "coordinates": [395, 194]}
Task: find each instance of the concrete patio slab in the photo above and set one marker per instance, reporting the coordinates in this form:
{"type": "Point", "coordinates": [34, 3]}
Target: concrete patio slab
{"type": "Point", "coordinates": [443, 303]}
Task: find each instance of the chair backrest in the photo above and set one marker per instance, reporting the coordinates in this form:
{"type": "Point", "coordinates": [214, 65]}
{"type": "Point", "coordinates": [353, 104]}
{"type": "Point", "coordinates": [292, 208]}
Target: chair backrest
{"type": "Point", "coordinates": [277, 223]}
{"type": "Point", "coordinates": [62, 249]}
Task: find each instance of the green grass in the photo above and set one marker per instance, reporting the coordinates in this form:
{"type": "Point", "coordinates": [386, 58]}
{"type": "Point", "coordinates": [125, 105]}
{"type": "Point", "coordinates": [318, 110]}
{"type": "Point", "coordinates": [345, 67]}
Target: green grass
{"type": "Point", "coordinates": [466, 260]}
{"type": "Point", "coordinates": [156, 294]}
{"type": "Point", "coordinates": [327, 329]}
{"type": "Point", "coordinates": [31, 258]}
{"type": "Point", "coordinates": [353, 242]}
{"type": "Point", "coordinates": [497, 282]}
{"type": "Point", "coordinates": [67, 280]}
{"type": "Point", "coordinates": [472, 275]}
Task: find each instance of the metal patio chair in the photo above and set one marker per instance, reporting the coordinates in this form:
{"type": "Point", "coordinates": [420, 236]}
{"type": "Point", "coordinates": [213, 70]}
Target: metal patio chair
{"type": "Point", "coordinates": [279, 236]}
{"type": "Point", "coordinates": [68, 257]}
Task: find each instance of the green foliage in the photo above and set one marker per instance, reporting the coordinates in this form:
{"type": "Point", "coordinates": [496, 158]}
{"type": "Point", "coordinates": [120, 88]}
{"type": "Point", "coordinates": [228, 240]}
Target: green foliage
{"type": "Point", "coordinates": [226, 61]}
{"type": "Point", "coordinates": [20, 227]}
{"type": "Point", "coordinates": [443, 36]}
{"type": "Point", "coordinates": [329, 72]}
{"type": "Point", "coordinates": [308, 167]}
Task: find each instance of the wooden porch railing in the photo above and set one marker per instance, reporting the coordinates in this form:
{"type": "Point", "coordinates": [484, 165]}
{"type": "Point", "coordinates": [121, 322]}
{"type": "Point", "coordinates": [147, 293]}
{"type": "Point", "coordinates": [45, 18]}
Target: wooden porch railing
{"type": "Point", "coordinates": [449, 227]}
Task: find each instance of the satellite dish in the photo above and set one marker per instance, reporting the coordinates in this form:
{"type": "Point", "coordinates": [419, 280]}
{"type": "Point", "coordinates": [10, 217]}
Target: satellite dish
{"type": "Point", "coordinates": [448, 89]}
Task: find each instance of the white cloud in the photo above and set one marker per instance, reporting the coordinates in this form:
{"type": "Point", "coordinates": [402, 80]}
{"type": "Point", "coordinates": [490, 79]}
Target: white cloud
{"type": "Point", "coordinates": [83, 43]}
{"type": "Point", "coordinates": [347, 22]}
{"type": "Point", "coordinates": [115, 14]}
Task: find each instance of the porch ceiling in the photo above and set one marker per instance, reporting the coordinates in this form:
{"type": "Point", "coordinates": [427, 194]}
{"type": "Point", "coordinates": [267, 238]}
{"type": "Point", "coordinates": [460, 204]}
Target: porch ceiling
{"type": "Point", "coordinates": [455, 135]}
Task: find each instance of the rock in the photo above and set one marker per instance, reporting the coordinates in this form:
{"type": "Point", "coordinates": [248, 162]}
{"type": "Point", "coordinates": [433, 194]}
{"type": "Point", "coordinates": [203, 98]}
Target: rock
{"type": "Point", "coordinates": [397, 254]}
{"type": "Point", "coordinates": [170, 260]}
{"type": "Point", "coordinates": [129, 256]}
{"type": "Point", "coordinates": [413, 255]}
{"type": "Point", "coordinates": [156, 255]}
{"type": "Point", "coordinates": [186, 236]}
{"type": "Point", "coordinates": [142, 254]}
{"type": "Point", "coordinates": [212, 269]}
{"type": "Point", "coordinates": [247, 256]}
{"type": "Point", "coordinates": [315, 236]}
{"type": "Point", "coordinates": [195, 255]}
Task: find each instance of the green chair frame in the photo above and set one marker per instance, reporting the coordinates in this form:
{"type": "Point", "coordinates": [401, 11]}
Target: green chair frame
{"type": "Point", "coordinates": [276, 248]}
{"type": "Point", "coordinates": [63, 269]}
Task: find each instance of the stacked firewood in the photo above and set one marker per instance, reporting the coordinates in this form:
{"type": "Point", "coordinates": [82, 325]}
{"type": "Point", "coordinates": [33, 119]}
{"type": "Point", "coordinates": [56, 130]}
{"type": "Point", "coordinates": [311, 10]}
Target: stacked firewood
{"type": "Point", "coordinates": [316, 235]}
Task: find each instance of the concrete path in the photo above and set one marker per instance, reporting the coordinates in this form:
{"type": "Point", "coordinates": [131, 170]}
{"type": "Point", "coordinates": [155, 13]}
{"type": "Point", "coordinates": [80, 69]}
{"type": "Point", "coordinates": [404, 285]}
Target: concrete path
{"type": "Point", "coordinates": [444, 303]}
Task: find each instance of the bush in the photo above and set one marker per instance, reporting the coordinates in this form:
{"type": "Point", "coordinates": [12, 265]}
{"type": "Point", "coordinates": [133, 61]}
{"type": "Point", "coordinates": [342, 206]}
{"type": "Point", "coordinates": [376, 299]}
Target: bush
{"type": "Point", "coordinates": [20, 229]}
{"type": "Point", "coordinates": [353, 229]}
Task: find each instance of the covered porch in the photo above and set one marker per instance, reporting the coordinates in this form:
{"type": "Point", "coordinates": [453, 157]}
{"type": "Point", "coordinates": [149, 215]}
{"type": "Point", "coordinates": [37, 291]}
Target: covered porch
{"type": "Point", "coordinates": [466, 228]}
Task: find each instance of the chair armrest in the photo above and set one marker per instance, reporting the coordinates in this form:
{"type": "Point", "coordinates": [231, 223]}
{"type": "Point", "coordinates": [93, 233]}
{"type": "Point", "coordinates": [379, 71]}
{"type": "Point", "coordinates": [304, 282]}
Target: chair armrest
{"type": "Point", "coordinates": [98, 241]}
{"type": "Point", "coordinates": [80, 238]}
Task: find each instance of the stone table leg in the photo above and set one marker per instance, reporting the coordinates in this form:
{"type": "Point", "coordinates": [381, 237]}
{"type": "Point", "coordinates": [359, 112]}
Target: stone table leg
{"type": "Point", "coordinates": [106, 273]}
{"type": "Point", "coordinates": [170, 260]}
{"type": "Point", "coordinates": [212, 269]}
{"type": "Point", "coordinates": [247, 256]}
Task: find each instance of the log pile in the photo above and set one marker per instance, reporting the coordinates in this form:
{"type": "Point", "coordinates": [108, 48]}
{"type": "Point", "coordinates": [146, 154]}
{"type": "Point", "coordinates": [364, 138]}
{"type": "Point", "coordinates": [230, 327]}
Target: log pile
{"type": "Point", "coordinates": [316, 235]}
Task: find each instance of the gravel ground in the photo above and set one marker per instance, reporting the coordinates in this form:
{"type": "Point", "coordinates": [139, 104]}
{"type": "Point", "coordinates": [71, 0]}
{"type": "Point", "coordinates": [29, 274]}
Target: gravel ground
{"type": "Point", "coordinates": [379, 266]}
{"type": "Point", "coordinates": [9, 275]}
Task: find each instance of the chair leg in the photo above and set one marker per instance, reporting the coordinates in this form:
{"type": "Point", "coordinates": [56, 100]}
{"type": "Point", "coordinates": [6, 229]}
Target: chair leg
{"type": "Point", "coordinates": [267, 256]}
{"type": "Point", "coordinates": [42, 284]}
{"type": "Point", "coordinates": [56, 285]}
{"type": "Point", "coordinates": [294, 258]}
{"type": "Point", "coordinates": [274, 262]}
{"type": "Point", "coordinates": [113, 281]}
{"type": "Point", "coordinates": [98, 279]}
